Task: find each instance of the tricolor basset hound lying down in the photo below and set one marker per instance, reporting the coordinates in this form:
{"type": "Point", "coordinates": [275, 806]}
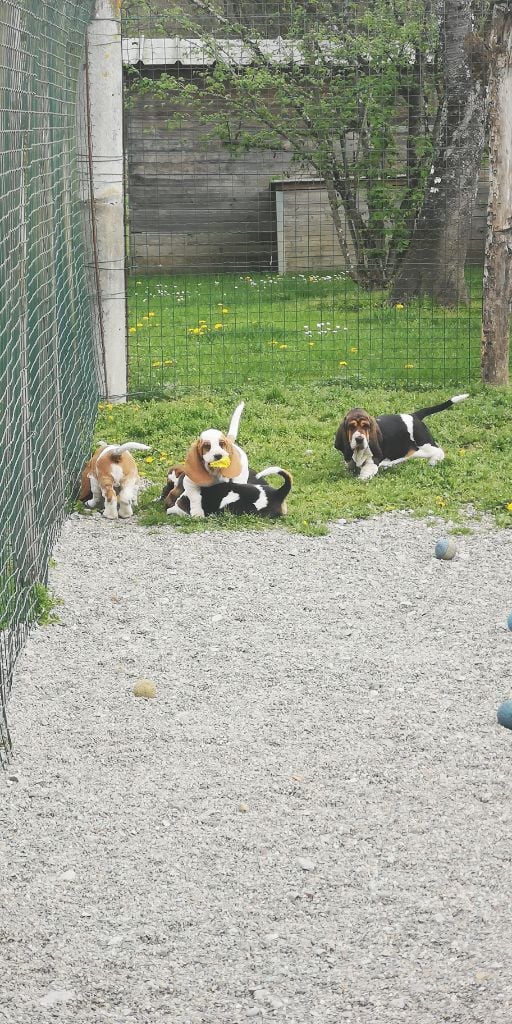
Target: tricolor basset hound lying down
{"type": "Point", "coordinates": [369, 444]}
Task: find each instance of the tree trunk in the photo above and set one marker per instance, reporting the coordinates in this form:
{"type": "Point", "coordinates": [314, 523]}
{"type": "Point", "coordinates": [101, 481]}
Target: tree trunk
{"type": "Point", "coordinates": [498, 249]}
{"type": "Point", "coordinates": [434, 262]}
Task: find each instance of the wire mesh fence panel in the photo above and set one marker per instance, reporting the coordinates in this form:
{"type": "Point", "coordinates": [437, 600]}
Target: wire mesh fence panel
{"type": "Point", "coordinates": [49, 368]}
{"type": "Point", "coordinates": [307, 191]}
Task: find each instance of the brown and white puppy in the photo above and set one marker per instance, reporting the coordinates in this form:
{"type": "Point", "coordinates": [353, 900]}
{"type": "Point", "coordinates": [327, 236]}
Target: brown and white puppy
{"type": "Point", "coordinates": [112, 474]}
{"type": "Point", "coordinates": [369, 444]}
{"type": "Point", "coordinates": [174, 486]}
{"type": "Point", "coordinates": [198, 470]}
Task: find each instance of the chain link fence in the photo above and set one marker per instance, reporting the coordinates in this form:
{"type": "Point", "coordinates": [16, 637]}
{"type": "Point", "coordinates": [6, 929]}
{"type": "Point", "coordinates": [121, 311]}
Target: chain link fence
{"type": "Point", "coordinates": [50, 370]}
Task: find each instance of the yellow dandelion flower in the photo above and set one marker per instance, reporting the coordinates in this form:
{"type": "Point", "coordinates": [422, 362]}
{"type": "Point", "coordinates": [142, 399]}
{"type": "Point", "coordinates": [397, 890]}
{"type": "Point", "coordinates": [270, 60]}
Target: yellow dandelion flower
{"type": "Point", "coordinates": [283, 346]}
{"type": "Point", "coordinates": [109, 406]}
{"type": "Point", "coordinates": [225, 309]}
{"type": "Point", "coordinates": [155, 364]}
{"type": "Point", "coordinates": [399, 305]}
{"type": "Point", "coordinates": [509, 506]}
{"type": "Point", "coordinates": [168, 362]}
{"type": "Point", "coordinates": [203, 323]}
{"type": "Point", "coordinates": [218, 327]}
{"type": "Point", "coordinates": [342, 363]}
{"type": "Point", "coordinates": [151, 314]}
{"type": "Point", "coordinates": [462, 451]}
{"type": "Point", "coordinates": [140, 325]}
{"type": "Point", "coordinates": [353, 349]}
{"type": "Point", "coordinates": [440, 501]}
{"type": "Point", "coordinates": [194, 330]}
{"type": "Point", "coordinates": [165, 455]}
{"type": "Point", "coordinates": [144, 318]}
{"type": "Point", "coordinates": [311, 344]}
{"type": "Point", "coordinates": [132, 330]}
{"type": "Point", "coordinates": [149, 459]}
{"type": "Point", "coordinates": [110, 419]}
{"type": "Point", "coordinates": [409, 366]}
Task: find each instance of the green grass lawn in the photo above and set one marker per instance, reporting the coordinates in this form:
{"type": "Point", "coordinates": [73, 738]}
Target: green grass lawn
{"type": "Point", "coordinates": [295, 425]}
{"type": "Point", "coordinates": [234, 330]}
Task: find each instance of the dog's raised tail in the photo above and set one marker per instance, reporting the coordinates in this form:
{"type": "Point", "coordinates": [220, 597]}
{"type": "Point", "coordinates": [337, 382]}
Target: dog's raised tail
{"type": "Point", "coordinates": [285, 487]}
{"type": "Point", "coordinates": [131, 444]}
{"type": "Point", "coordinates": [422, 413]}
{"type": "Point", "coordinates": [115, 450]}
{"type": "Point", "coordinates": [235, 421]}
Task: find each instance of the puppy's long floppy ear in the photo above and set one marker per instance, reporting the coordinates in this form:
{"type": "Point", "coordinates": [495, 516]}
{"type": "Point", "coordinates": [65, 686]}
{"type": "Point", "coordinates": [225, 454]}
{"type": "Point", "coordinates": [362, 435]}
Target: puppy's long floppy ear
{"type": "Point", "coordinates": [341, 442]}
{"type": "Point", "coordinates": [85, 484]}
{"type": "Point", "coordinates": [194, 467]}
{"type": "Point", "coordinates": [235, 465]}
{"type": "Point", "coordinates": [375, 440]}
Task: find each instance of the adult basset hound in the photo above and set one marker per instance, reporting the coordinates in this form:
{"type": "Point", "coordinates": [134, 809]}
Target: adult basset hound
{"type": "Point", "coordinates": [369, 444]}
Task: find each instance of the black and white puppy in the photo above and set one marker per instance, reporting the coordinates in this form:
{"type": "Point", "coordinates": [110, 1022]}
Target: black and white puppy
{"type": "Point", "coordinates": [369, 444]}
{"type": "Point", "coordinates": [255, 498]}
{"type": "Point", "coordinates": [176, 484]}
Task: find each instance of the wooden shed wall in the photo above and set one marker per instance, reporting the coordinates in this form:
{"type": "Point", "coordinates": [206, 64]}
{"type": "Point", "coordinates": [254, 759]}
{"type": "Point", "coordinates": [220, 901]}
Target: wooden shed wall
{"type": "Point", "coordinates": [306, 237]}
{"type": "Point", "coordinates": [195, 207]}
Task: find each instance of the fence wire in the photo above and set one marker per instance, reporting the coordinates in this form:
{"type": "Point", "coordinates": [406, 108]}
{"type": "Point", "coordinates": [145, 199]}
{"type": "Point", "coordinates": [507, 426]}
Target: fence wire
{"type": "Point", "coordinates": [307, 191]}
{"type": "Point", "coordinates": [49, 369]}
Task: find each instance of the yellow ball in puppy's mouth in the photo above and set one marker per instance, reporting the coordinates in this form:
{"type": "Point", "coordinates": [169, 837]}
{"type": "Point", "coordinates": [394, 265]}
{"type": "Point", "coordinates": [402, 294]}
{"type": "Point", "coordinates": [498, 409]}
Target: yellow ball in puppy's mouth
{"type": "Point", "coordinates": [221, 463]}
{"type": "Point", "coordinates": [144, 688]}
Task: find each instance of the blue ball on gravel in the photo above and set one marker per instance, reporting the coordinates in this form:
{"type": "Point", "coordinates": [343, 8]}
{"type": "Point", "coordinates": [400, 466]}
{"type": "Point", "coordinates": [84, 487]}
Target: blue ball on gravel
{"type": "Point", "coordinates": [504, 714]}
{"type": "Point", "coordinates": [445, 548]}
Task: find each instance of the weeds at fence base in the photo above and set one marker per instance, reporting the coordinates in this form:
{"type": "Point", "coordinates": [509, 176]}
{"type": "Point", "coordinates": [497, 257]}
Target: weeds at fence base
{"type": "Point", "coordinates": [38, 605]}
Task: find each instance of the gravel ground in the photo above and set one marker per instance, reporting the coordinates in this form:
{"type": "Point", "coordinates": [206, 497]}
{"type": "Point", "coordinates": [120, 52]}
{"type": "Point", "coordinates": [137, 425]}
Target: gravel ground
{"type": "Point", "coordinates": [312, 820]}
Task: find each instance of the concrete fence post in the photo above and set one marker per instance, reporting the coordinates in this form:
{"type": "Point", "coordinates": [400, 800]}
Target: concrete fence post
{"type": "Point", "coordinates": [105, 109]}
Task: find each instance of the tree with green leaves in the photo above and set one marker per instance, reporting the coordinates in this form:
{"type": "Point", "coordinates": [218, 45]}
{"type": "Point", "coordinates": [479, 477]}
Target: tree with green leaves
{"type": "Point", "coordinates": [382, 100]}
{"type": "Point", "coordinates": [334, 94]}
{"type": "Point", "coordinates": [434, 262]}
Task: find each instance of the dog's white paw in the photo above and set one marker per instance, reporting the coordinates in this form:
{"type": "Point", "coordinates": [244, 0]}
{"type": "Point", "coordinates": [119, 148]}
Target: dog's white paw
{"type": "Point", "coordinates": [368, 471]}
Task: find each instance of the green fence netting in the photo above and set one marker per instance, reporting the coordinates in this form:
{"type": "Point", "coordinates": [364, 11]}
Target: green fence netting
{"type": "Point", "coordinates": [49, 369]}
